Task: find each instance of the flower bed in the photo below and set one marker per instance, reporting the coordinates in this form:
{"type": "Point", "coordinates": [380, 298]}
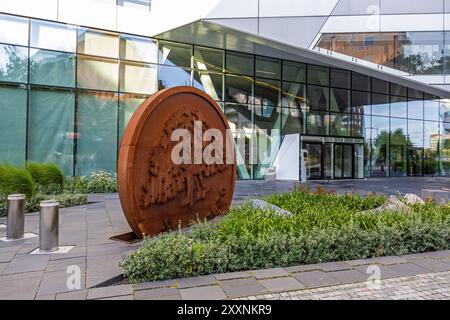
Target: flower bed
{"type": "Point", "coordinates": [324, 227]}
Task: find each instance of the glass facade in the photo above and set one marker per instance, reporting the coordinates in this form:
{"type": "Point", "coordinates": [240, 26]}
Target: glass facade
{"type": "Point", "coordinates": [417, 53]}
{"type": "Point", "coordinates": [69, 92]}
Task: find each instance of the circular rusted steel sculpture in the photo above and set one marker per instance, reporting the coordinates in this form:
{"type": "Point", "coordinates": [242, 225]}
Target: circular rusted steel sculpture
{"type": "Point", "coordinates": [158, 195]}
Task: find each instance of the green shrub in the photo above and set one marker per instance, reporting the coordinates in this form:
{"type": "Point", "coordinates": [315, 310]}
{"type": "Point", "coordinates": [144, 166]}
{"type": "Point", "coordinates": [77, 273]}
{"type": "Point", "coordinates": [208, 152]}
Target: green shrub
{"type": "Point", "coordinates": [48, 177]}
{"type": "Point", "coordinates": [16, 180]}
{"type": "Point", "coordinates": [323, 227]}
{"type": "Point", "coordinates": [65, 200]}
{"type": "Point", "coordinates": [76, 185]}
{"type": "Point", "coordinates": [102, 182]}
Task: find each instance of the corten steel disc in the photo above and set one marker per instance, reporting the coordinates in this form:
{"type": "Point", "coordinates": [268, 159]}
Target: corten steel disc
{"type": "Point", "coordinates": [156, 194]}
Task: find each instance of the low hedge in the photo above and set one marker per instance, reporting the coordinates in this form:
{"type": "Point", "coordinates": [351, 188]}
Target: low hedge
{"type": "Point", "coordinates": [250, 238]}
{"type": "Point", "coordinates": [65, 200]}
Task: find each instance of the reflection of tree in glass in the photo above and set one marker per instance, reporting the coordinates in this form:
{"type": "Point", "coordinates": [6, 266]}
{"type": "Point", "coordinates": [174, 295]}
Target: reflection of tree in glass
{"type": "Point", "coordinates": [13, 64]}
{"type": "Point", "coordinates": [55, 68]}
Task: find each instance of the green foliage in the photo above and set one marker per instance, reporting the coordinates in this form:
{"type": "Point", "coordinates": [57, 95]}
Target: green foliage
{"type": "Point", "coordinates": [32, 204]}
{"type": "Point", "coordinates": [76, 185]}
{"type": "Point", "coordinates": [324, 227]}
{"type": "Point", "coordinates": [48, 177]}
{"type": "Point", "coordinates": [102, 182]}
{"type": "Point", "coordinates": [16, 180]}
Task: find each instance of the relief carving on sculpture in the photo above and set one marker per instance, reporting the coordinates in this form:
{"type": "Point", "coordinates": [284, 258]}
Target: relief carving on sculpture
{"type": "Point", "coordinates": [158, 194]}
{"type": "Point", "coordinates": [166, 179]}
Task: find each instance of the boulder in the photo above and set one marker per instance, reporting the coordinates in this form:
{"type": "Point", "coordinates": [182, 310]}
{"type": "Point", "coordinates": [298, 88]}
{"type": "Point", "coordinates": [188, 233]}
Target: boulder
{"type": "Point", "coordinates": [391, 204]}
{"type": "Point", "coordinates": [412, 199]}
{"type": "Point", "coordinates": [264, 205]}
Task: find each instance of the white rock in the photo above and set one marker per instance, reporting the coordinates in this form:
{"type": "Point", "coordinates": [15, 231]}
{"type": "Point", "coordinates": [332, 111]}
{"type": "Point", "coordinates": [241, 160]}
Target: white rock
{"type": "Point", "coordinates": [411, 199]}
{"type": "Point", "coordinates": [261, 204]}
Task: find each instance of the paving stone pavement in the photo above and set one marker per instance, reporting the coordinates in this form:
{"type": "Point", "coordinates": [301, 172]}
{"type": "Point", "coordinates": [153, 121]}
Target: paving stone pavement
{"type": "Point", "coordinates": [431, 286]}
{"type": "Point", "coordinates": [96, 257]}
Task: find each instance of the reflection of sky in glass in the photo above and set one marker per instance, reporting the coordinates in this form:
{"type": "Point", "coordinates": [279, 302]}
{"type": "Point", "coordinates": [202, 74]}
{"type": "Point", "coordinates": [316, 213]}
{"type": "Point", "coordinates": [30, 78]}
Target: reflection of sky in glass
{"type": "Point", "coordinates": [139, 49]}
{"type": "Point", "coordinates": [415, 132]}
{"type": "Point", "coordinates": [431, 131]}
{"type": "Point", "coordinates": [173, 76]}
{"type": "Point", "coordinates": [13, 30]}
{"type": "Point", "coordinates": [53, 36]}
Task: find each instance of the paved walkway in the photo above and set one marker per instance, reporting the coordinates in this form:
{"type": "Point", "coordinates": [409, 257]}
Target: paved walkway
{"type": "Point", "coordinates": [88, 228]}
{"type": "Point", "coordinates": [431, 286]}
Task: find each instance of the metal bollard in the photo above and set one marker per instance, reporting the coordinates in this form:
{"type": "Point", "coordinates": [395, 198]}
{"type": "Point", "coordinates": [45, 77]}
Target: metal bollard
{"type": "Point", "coordinates": [49, 226]}
{"type": "Point", "coordinates": [16, 216]}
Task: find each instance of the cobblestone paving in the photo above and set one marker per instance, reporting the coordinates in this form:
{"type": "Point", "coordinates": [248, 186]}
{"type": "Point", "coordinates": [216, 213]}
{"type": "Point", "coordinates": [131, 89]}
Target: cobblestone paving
{"type": "Point", "coordinates": [431, 286]}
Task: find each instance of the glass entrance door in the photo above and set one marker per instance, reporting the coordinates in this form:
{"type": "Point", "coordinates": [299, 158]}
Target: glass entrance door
{"type": "Point", "coordinates": [343, 161]}
{"type": "Point", "coordinates": [314, 161]}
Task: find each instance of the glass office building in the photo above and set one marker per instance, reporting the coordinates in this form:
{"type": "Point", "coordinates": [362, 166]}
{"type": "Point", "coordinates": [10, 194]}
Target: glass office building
{"type": "Point", "coordinates": [67, 93]}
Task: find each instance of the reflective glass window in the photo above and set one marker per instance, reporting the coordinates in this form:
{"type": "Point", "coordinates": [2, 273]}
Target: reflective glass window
{"type": "Point", "coordinates": [169, 77]}
{"type": "Point", "coordinates": [360, 125]}
{"type": "Point", "coordinates": [98, 43]}
{"type": "Point", "coordinates": [340, 124]}
{"type": "Point", "coordinates": [380, 146]}
{"type": "Point", "coordinates": [431, 108]}
{"type": "Point", "coordinates": [293, 121]}
{"type": "Point", "coordinates": [240, 63]}
{"type": "Point", "coordinates": [97, 132]}
{"type": "Point", "coordinates": [241, 125]}
{"type": "Point", "coordinates": [268, 68]}
{"type": "Point", "coordinates": [360, 102]}
{"type": "Point", "coordinates": [97, 73]}
{"type": "Point", "coordinates": [54, 36]}
{"type": "Point", "coordinates": [415, 94]}
{"type": "Point", "coordinates": [444, 112]}
{"type": "Point", "coordinates": [52, 68]}
{"type": "Point", "coordinates": [128, 103]}
{"type": "Point", "coordinates": [239, 89]}
{"type": "Point", "coordinates": [397, 148]}
{"type": "Point", "coordinates": [398, 107]}
{"type": "Point", "coordinates": [444, 150]}
{"type": "Point", "coordinates": [431, 151]}
{"type": "Point", "coordinates": [13, 114]}
{"type": "Point", "coordinates": [267, 121]}
{"type": "Point", "coordinates": [51, 134]}
{"type": "Point", "coordinates": [340, 78]}
{"type": "Point", "coordinates": [380, 86]}
{"type": "Point", "coordinates": [294, 95]}
{"type": "Point", "coordinates": [138, 49]}
{"type": "Point", "coordinates": [13, 30]}
{"type": "Point", "coordinates": [318, 98]}
{"type": "Point", "coordinates": [206, 59]}
{"type": "Point", "coordinates": [360, 82]}
{"type": "Point", "coordinates": [398, 90]}
{"type": "Point", "coordinates": [318, 75]}
{"type": "Point", "coordinates": [415, 133]}
{"type": "Point", "coordinates": [138, 78]}
{"type": "Point", "coordinates": [175, 54]}
{"type": "Point", "coordinates": [339, 100]}
{"type": "Point", "coordinates": [380, 105]}
{"type": "Point", "coordinates": [267, 92]}
{"type": "Point", "coordinates": [13, 63]}
{"type": "Point", "coordinates": [420, 52]}
{"type": "Point", "coordinates": [317, 123]}
{"type": "Point", "coordinates": [294, 71]}
{"type": "Point", "coordinates": [211, 83]}
{"type": "Point", "coordinates": [415, 109]}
